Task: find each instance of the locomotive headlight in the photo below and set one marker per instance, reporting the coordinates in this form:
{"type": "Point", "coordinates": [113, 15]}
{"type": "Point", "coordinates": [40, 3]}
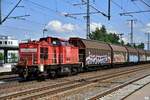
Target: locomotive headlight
{"type": "Point", "coordinates": [41, 67]}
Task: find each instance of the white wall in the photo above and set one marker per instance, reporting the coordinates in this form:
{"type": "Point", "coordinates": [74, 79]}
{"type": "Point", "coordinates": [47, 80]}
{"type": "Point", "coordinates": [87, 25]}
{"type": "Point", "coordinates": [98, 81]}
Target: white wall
{"type": "Point", "coordinates": [6, 43]}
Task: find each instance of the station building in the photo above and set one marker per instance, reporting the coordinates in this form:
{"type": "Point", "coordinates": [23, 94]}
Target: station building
{"type": "Point", "coordinates": [8, 49]}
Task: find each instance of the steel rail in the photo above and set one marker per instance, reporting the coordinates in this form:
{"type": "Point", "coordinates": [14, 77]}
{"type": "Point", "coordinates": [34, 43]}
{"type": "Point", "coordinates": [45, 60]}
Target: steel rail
{"type": "Point", "coordinates": [116, 88]}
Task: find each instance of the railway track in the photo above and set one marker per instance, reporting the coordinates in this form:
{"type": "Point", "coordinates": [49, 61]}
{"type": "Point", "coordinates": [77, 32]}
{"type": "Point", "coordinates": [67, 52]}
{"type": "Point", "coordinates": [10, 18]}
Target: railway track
{"type": "Point", "coordinates": [53, 90]}
{"type": "Point", "coordinates": [96, 97]}
{"type": "Point", "coordinates": [7, 77]}
{"type": "Point", "coordinates": [96, 83]}
{"type": "Point", "coordinates": [17, 86]}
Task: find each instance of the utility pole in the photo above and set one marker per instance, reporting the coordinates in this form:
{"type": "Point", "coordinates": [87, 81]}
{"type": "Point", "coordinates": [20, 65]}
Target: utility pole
{"type": "Point", "coordinates": [109, 9]}
{"type": "Point", "coordinates": [131, 34]}
{"type": "Point", "coordinates": [88, 19]}
{"type": "Point", "coordinates": [44, 30]}
{"type": "Point", "coordinates": [148, 41]}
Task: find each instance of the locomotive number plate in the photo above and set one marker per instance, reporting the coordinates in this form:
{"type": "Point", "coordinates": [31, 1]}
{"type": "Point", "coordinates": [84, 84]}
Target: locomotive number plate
{"type": "Point", "coordinates": [28, 50]}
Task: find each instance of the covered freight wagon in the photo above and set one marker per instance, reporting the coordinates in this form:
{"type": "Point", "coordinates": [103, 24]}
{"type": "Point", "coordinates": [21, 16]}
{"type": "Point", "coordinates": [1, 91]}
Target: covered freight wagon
{"type": "Point", "coordinates": [141, 55]}
{"type": "Point", "coordinates": [119, 54]}
{"type": "Point", "coordinates": [148, 56]}
{"type": "Point", "coordinates": [132, 55]}
{"type": "Point", "coordinates": [92, 53]}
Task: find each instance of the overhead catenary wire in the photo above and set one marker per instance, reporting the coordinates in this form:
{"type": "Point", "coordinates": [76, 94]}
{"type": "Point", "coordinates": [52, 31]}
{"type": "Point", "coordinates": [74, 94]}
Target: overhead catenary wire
{"type": "Point", "coordinates": [81, 7]}
{"type": "Point", "coordinates": [52, 10]}
{"type": "Point", "coordinates": [3, 20]}
{"type": "Point", "coordinates": [133, 12]}
{"type": "Point", "coordinates": [145, 3]}
{"type": "Point", "coordinates": [58, 12]}
{"type": "Point", "coordinates": [124, 10]}
{"type": "Point", "coordinates": [44, 7]}
{"type": "Point", "coordinates": [55, 11]}
{"type": "Point", "coordinates": [133, 17]}
{"type": "Point", "coordinates": [98, 11]}
{"type": "Point", "coordinates": [141, 22]}
{"type": "Point", "coordinates": [117, 5]}
{"type": "Point", "coordinates": [27, 20]}
{"type": "Point", "coordinates": [142, 13]}
{"type": "Point", "coordinates": [88, 13]}
{"type": "Point", "coordinates": [47, 14]}
{"type": "Point", "coordinates": [33, 22]}
{"type": "Point", "coordinates": [72, 4]}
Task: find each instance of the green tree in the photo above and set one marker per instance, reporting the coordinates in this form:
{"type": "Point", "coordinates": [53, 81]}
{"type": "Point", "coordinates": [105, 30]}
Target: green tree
{"type": "Point", "coordinates": [141, 46]}
{"type": "Point", "coordinates": [101, 34]}
{"type": "Point", "coordinates": [122, 42]}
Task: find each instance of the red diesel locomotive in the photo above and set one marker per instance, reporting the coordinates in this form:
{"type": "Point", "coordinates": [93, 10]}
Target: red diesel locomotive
{"type": "Point", "coordinates": [48, 56]}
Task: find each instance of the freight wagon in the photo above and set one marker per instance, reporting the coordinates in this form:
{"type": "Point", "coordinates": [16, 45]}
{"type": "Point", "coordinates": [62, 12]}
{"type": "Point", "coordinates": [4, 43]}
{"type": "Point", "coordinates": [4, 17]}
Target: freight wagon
{"type": "Point", "coordinates": [132, 55]}
{"type": "Point", "coordinates": [147, 56]}
{"type": "Point", "coordinates": [141, 56]}
{"type": "Point", "coordinates": [92, 53]}
{"type": "Point", "coordinates": [119, 55]}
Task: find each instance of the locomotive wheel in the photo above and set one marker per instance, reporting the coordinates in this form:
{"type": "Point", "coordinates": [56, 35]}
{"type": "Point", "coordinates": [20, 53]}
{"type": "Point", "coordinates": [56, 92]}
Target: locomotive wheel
{"type": "Point", "coordinates": [41, 77]}
{"type": "Point", "coordinates": [25, 74]}
{"type": "Point", "coordinates": [74, 71]}
{"type": "Point", "coordinates": [53, 74]}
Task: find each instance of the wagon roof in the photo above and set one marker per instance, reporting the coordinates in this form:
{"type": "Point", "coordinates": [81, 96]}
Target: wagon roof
{"type": "Point", "coordinates": [95, 44]}
{"type": "Point", "coordinates": [131, 50]}
{"type": "Point", "coordinates": [118, 48]}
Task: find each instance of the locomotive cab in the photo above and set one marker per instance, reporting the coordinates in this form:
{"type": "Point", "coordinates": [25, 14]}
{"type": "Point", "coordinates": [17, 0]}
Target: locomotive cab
{"type": "Point", "coordinates": [28, 54]}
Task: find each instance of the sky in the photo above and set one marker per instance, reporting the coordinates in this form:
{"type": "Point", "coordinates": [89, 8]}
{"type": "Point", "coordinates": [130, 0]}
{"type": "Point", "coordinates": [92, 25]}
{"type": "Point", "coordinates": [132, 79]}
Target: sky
{"type": "Point", "coordinates": [49, 15]}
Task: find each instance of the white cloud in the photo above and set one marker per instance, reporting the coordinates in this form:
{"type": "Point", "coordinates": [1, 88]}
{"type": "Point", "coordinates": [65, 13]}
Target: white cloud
{"type": "Point", "coordinates": [59, 27]}
{"type": "Point", "coordinates": [95, 25]}
{"type": "Point", "coordinates": [147, 28]}
{"type": "Point", "coordinates": [125, 40]}
{"type": "Point", "coordinates": [112, 31]}
{"type": "Point", "coordinates": [68, 27]}
{"type": "Point", "coordinates": [148, 25]}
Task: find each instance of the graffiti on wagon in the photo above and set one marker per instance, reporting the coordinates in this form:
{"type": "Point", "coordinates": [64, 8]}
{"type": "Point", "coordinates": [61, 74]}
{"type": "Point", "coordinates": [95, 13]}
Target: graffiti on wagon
{"type": "Point", "coordinates": [97, 59]}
